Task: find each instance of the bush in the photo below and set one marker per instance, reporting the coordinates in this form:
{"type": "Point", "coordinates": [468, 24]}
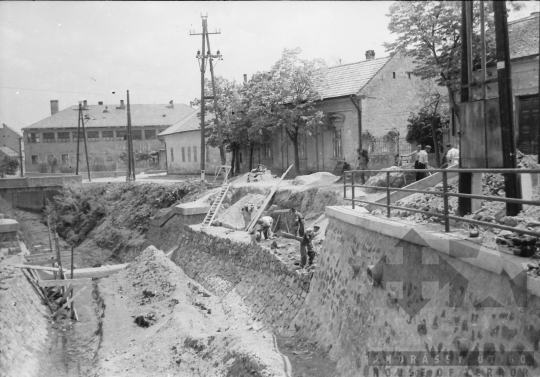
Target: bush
{"type": "Point", "coordinates": [9, 166]}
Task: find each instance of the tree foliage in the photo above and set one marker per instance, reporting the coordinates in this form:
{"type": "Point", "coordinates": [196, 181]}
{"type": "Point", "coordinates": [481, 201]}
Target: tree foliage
{"type": "Point", "coordinates": [420, 128]}
{"type": "Point", "coordinates": [430, 32]}
{"type": "Point", "coordinates": [285, 97]}
{"type": "Point", "coordinates": [9, 166]}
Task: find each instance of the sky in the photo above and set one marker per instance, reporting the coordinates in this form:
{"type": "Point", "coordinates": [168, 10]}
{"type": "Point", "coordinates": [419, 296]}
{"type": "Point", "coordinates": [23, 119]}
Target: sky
{"type": "Point", "coordinates": [74, 51]}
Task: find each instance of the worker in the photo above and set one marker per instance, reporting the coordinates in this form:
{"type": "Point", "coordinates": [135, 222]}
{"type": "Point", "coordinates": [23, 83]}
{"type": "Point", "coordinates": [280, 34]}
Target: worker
{"type": "Point", "coordinates": [247, 212]}
{"type": "Point", "coordinates": [363, 160]}
{"type": "Point", "coordinates": [306, 243]}
{"type": "Point", "coordinates": [422, 162]}
{"type": "Point", "coordinates": [264, 226]}
{"type": "Point", "coordinates": [299, 222]}
{"type": "Point", "coordinates": [452, 156]}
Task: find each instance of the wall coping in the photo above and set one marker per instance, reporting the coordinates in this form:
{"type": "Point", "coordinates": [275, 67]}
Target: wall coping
{"type": "Point", "coordinates": [475, 254]}
{"type": "Point", "coordinates": [8, 226]}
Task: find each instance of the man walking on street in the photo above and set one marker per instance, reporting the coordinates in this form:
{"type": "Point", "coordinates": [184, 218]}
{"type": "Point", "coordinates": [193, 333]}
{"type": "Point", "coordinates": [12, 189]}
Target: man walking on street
{"type": "Point", "coordinates": [306, 244]}
{"type": "Point", "coordinates": [422, 162]}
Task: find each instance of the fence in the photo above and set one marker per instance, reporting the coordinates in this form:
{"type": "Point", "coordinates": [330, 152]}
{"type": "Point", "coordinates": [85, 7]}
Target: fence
{"type": "Point", "coordinates": [444, 193]}
{"type": "Point", "coordinates": [382, 146]}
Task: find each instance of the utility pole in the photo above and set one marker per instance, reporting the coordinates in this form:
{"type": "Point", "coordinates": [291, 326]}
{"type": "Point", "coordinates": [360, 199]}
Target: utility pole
{"type": "Point", "coordinates": [81, 122]}
{"type": "Point", "coordinates": [21, 156]}
{"type": "Point", "coordinates": [202, 58]}
{"type": "Point", "coordinates": [504, 74]}
{"type": "Point", "coordinates": [86, 150]}
{"type": "Point", "coordinates": [129, 141]}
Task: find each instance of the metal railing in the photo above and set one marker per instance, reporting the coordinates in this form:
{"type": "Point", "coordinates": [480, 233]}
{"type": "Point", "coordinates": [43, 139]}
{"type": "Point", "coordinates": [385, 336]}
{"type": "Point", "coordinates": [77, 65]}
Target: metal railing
{"type": "Point", "coordinates": [444, 193]}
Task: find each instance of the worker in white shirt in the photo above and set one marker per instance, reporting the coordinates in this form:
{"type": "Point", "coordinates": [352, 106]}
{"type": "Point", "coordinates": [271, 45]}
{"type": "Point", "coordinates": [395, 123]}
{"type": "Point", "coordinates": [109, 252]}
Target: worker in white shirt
{"type": "Point", "coordinates": [452, 157]}
{"type": "Point", "coordinates": [422, 162]}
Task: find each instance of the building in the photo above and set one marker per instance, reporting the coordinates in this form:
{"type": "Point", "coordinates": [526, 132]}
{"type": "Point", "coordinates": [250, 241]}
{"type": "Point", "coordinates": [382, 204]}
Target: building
{"type": "Point", "coordinates": [51, 144]}
{"type": "Point", "coordinates": [10, 143]}
{"type": "Point", "coordinates": [183, 142]}
{"type": "Point", "coordinates": [387, 93]}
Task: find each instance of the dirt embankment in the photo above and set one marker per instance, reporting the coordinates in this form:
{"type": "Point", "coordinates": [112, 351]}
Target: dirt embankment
{"type": "Point", "coordinates": [159, 322]}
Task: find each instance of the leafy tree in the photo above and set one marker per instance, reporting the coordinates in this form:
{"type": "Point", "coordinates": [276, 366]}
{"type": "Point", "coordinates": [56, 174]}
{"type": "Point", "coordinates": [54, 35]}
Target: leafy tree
{"type": "Point", "coordinates": [426, 128]}
{"type": "Point", "coordinates": [430, 32]}
{"type": "Point", "coordinates": [9, 166]}
{"type": "Point", "coordinates": [285, 97]}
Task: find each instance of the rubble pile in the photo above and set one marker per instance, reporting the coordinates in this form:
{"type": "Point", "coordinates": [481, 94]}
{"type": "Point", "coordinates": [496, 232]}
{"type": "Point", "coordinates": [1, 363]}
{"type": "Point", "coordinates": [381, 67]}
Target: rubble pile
{"type": "Point", "coordinates": [397, 179]}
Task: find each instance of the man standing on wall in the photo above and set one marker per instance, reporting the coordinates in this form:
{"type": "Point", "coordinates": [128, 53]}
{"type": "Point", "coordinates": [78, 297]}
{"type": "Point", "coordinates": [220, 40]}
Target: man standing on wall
{"type": "Point", "coordinates": [422, 163]}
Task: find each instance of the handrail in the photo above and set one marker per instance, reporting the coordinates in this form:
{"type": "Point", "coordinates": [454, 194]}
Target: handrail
{"type": "Point", "coordinates": [444, 193]}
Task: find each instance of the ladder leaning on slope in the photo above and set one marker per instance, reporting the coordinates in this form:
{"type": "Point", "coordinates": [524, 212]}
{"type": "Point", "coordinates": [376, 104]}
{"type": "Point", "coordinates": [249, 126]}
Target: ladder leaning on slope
{"type": "Point", "coordinates": [217, 202]}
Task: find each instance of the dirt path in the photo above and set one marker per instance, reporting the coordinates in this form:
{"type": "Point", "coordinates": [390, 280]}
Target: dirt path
{"type": "Point", "coordinates": [159, 322]}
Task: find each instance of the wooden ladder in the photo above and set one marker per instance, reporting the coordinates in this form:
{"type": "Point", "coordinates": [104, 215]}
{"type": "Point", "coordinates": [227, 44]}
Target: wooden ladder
{"type": "Point", "coordinates": [218, 171]}
{"type": "Point", "coordinates": [215, 206]}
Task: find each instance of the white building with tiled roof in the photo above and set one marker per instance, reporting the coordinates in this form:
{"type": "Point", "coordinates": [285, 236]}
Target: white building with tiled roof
{"type": "Point", "coordinates": [51, 143]}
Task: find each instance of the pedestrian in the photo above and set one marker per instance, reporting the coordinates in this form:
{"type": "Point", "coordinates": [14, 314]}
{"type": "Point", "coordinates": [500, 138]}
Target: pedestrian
{"type": "Point", "coordinates": [452, 156]}
{"type": "Point", "coordinates": [422, 162]}
{"type": "Point", "coordinates": [264, 227]}
{"type": "Point", "coordinates": [299, 222]}
{"type": "Point", "coordinates": [363, 160]}
{"type": "Point", "coordinates": [307, 244]}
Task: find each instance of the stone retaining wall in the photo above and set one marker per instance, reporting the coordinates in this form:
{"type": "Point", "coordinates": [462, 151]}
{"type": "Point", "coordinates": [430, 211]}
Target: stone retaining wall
{"type": "Point", "coordinates": [23, 325]}
{"type": "Point", "coordinates": [243, 270]}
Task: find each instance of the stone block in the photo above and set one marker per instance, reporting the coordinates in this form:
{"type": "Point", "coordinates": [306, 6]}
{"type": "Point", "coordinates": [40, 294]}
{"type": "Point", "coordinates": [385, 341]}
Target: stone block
{"type": "Point", "coordinates": [8, 226]}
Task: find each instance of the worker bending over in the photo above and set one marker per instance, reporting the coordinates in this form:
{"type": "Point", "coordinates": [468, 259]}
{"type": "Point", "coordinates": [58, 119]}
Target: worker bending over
{"type": "Point", "coordinates": [264, 226]}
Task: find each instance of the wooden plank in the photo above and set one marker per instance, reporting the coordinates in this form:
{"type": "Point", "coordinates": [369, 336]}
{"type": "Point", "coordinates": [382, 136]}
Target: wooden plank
{"type": "Point", "coordinates": [68, 302]}
{"type": "Point", "coordinates": [55, 269]}
{"type": "Point", "coordinates": [41, 262]}
{"type": "Point", "coordinates": [45, 256]}
{"type": "Point", "coordinates": [39, 292]}
{"type": "Point", "coordinates": [64, 283]}
{"type": "Point", "coordinates": [266, 201]}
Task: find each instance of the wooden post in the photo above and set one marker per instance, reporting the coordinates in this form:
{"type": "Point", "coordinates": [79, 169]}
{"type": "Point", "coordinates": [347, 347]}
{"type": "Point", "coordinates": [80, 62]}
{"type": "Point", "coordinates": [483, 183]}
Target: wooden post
{"type": "Point", "coordinates": [78, 139]}
{"type": "Point", "coordinates": [511, 183]}
{"type": "Point", "coordinates": [50, 238]}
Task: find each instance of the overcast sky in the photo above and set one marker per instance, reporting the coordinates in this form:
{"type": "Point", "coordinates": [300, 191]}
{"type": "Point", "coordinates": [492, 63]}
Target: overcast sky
{"type": "Point", "coordinates": [72, 51]}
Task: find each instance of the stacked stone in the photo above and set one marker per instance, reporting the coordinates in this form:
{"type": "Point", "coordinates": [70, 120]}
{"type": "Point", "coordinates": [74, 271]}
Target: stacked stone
{"type": "Point", "coordinates": [23, 325]}
{"type": "Point", "coordinates": [273, 291]}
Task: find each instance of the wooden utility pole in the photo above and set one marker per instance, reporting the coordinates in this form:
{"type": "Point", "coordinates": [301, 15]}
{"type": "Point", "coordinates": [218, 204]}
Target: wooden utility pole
{"type": "Point", "coordinates": [504, 74]}
{"type": "Point", "coordinates": [86, 150]}
{"type": "Point", "coordinates": [202, 57]}
{"type": "Point", "coordinates": [21, 156]}
{"type": "Point", "coordinates": [129, 142]}
{"type": "Point", "coordinates": [78, 138]}
{"type": "Point", "coordinates": [465, 179]}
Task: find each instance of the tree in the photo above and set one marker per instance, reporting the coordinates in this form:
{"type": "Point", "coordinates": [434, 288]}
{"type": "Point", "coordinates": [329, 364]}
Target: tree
{"type": "Point", "coordinates": [426, 128]}
{"type": "Point", "coordinates": [429, 31]}
{"type": "Point", "coordinates": [9, 166]}
{"type": "Point", "coordinates": [285, 98]}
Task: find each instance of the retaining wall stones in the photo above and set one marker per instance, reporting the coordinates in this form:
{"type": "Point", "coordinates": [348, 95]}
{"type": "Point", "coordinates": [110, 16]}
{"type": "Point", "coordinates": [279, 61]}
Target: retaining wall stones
{"type": "Point", "coordinates": [9, 239]}
{"type": "Point", "coordinates": [246, 271]}
{"type": "Point", "coordinates": [23, 325]}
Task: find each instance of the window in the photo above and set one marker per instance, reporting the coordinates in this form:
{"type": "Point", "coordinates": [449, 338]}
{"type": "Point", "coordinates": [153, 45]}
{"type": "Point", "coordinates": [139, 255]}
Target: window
{"type": "Point", "coordinates": [107, 135]}
{"type": "Point", "coordinates": [48, 137]}
{"type": "Point", "coordinates": [188, 154]}
{"type": "Point", "coordinates": [136, 135]}
{"type": "Point", "coordinates": [63, 137]}
{"type": "Point", "coordinates": [120, 135]}
{"type": "Point", "coordinates": [394, 75]}
{"type": "Point", "coordinates": [81, 136]}
{"type": "Point", "coordinates": [267, 147]}
{"type": "Point", "coordinates": [33, 137]}
{"type": "Point", "coordinates": [50, 159]}
{"type": "Point", "coordinates": [183, 154]}
{"type": "Point", "coordinates": [92, 135]}
{"type": "Point", "coordinates": [150, 134]}
{"type": "Point", "coordinates": [65, 159]}
{"type": "Point", "coordinates": [337, 143]}
{"type": "Point", "coordinates": [195, 154]}
{"type": "Point", "coordinates": [302, 146]}
{"type": "Point", "coordinates": [35, 160]}
{"type": "Point", "coordinates": [172, 155]}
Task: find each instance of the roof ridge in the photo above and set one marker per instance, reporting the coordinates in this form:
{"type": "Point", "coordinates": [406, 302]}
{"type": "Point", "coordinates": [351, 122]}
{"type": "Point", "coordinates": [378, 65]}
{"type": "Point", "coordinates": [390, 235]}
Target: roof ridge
{"type": "Point", "coordinates": [363, 61]}
{"type": "Point", "coordinates": [529, 17]}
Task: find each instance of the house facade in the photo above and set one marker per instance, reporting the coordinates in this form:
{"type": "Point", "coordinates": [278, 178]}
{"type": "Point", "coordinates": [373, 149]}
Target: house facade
{"type": "Point", "coordinates": [183, 154]}
{"type": "Point", "coordinates": [51, 144]}
{"type": "Point", "coordinates": [385, 91]}
{"type": "Point", "coordinates": [10, 143]}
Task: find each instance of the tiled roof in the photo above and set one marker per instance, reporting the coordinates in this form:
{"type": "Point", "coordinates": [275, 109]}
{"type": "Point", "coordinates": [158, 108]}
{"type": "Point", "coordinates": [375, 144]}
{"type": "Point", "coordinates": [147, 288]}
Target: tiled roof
{"type": "Point", "coordinates": [348, 79]}
{"type": "Point", "coordinates": [523, 36]}
{"type": "Point", "coordinates": [141, 115]}
{"type": "Point", "coordinates": [190, 123]}
{"type": "Point", "coordinates": [9, 152]}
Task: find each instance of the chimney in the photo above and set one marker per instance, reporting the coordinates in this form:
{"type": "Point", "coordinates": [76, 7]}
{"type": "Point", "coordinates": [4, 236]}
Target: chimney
{"type": "Point", "coordinates": [245, 78]}
{"type": "Point", "coordinates": [54, 106]}
{"type": "Point", "coordinates": [339, 61]}
{"type": "Point", "coordinates": [100, 103]}
{"type": "Point", "coordinates": [370, 54]}
{"type": "Point", "coordinates": [85, 105]}
{"type": "Point", "coordinates": [122, 106]}
{"type": "Point", "coordinates": [106, 109]}
{"type": "Point", "coordinates": [171, 105]}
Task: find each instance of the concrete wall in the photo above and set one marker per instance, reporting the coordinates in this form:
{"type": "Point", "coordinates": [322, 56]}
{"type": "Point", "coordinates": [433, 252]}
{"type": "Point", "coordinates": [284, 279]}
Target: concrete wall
{"type": "Point", "coordinates": [190, 162]}
{"type": "Point", "coordinates": [99, 152]}
{"type": "Point", "coordinates": [23, 325]}
{"type": "Point", "coordinates": [343, 309]}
